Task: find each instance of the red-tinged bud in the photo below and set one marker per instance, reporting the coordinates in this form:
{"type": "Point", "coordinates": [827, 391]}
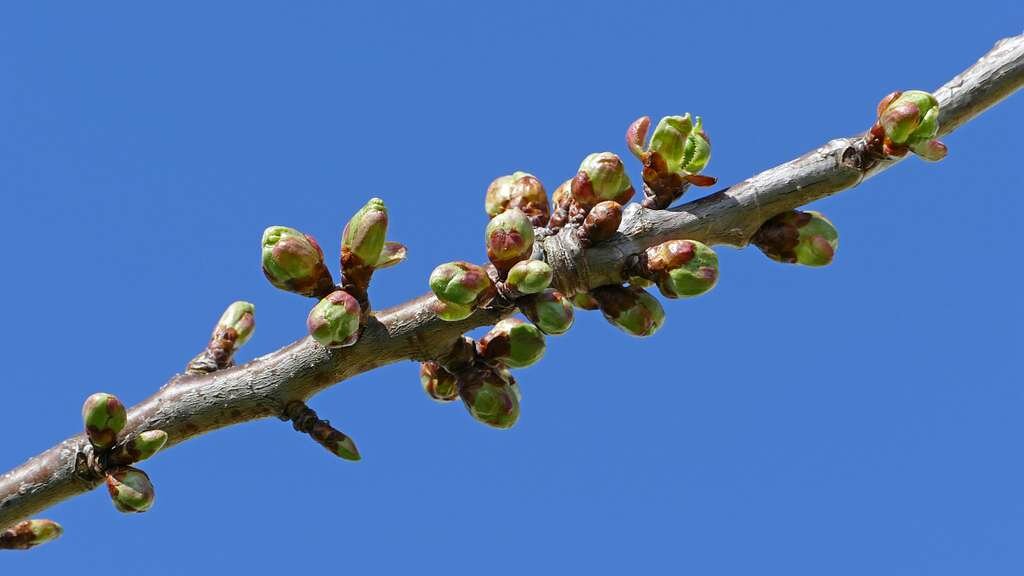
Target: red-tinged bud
{"type": "Point", "coordinates": [797, 237]}
{"type": "Point", "coordinates": [293, 261]}
{"type": "Point", "coordinates": [631, 309]}
{"type": "Point", "coordinates": [682, 268]}
{"type": "Point", "coordinates": [518, 190]}
{"type": "Point", "coordinates": [601, 223]}
{"type": "Point", "coordinates": [130, 489]}
{"type": "Point", "coordinates": [512, 342]}
{"type": "Point", "coordinates": [550, 311]}
{"type": "Point", "coordinates": [334, 321]}
{"type": "Point", "coordinates": [509, 238]}
{"type": "Point", "coordinates": [601, 177]}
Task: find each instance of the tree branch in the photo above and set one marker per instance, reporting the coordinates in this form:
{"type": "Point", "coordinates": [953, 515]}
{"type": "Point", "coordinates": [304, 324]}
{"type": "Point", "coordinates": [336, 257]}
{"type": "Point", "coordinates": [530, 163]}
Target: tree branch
{"type": "Point", "coordinates": [193, 404]}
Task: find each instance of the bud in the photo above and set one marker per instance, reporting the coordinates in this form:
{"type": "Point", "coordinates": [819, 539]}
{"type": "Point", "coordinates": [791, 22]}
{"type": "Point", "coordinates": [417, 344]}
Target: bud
{"type": "Point", "coordinates": [550, 311]}
{"type": "Point", "coordinates": [334, 440]}
{"type": "Point", "coordinates": [104, 417]}
{"type": "Point", "coordinates": [140, 447]}
{"type": "Point", "coordinates": [636, 135]}
{"type": "Point", "coordinates": [392, 253]}
{"type": "Point", "coordinates": [683, 268]}
{"type": "Point", "coordinates": [518, 190]}
{"type": "Point", "coordinates": [509, 238]}
{"type": "Point", "coordinates": [29, 534]}
{"type": "Point", "coordinates": [451, 312]}
{"type": "Point", "coordinates": [363, 237]}
{"type": "Point", "coordinates": [512, 342]}
{"type": "Point", "coordinates": [236, 323]}
{"type": "Point", "coordinates": [602, 222]}
{"type": "Point", "coordinates": [130, 489]}
{"type": "Point", "coordinates": [529, 276]}
{"type": "Point", "coordinates": [490, 397]}
{"type": "Point", "coordinates": [670, 140]}
{"type": "Point", "coordinates": [677, 152]}
{"type": "Point", "coordinates": [561, 198]}
{"type": "Point", "coordinates": [797, 237]}
{"type": "Point", "coordinates": [601, 177]}
{"type": "Point", "coordinates": [632, 309]}
{"type": "Point", "coordinates": [437, 382]}
{"type": "Point", "coordinates": [461, 283]}
{"type": "Point", "coordinates": [911, 119]}
{"type": "Point", "coordinates": [334, 321]}
{"type": "Point", "coordinates": [697, 152]}
{"type": "Point", "coordinates": [293, 261]}
{"type": "Point", "coordinates": [585, 301]}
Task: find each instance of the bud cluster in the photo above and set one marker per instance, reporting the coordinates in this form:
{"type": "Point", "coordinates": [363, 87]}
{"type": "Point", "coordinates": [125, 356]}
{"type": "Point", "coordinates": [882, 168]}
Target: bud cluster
{"type": "Point", "coordinates": [293, 261]}
{"type": "Point", "coordinates": [105, 418]}
{"type": "Point", "coordinates": [679, 149]}
{"type": "Point", "coordinates": [909, 121]}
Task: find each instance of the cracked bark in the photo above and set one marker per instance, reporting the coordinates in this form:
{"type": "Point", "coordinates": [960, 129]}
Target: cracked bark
{"type": "Point", "coordinates": [192, 404]}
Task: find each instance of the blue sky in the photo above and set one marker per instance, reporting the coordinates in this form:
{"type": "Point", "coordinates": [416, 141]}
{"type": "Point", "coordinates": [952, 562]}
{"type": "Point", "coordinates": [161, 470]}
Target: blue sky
{"type": "Point", "coordinates": [859, 419]}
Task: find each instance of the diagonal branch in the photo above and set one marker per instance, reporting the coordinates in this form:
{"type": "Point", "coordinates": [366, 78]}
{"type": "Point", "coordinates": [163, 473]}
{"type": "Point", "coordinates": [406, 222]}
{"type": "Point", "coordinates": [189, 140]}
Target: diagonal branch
{"type": "Point", "coordinates": [193, 404]}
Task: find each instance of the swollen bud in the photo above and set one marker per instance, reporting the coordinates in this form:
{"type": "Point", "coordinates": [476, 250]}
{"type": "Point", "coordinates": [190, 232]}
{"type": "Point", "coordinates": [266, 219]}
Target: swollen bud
{"type": "Point", "coordinates": [336, 442]}
{"type": "Point", "coordinates": [601, 177]}
{"type": "Point", "coordinates": [512, 342]}
{"type": "Point", "coordinates": [29, 534]}
{"type": "Point", "coordinates": [437, 382]}
{"type": "Point", "coordinates": [490, 396]}
{"type": "Point", "coordinates": [334, 321]}
{"type": "Point", "coordinates": [631, 309]}
{"type": "Point", "coordinates": [236, 323]}
{"type": "Point", "coordinates": [509, 238]}
{"type": "Point", "coordinates": [140, 447]}
{"type": "Point", "coordinates": [293, 261]}
{"type": "Point", "coordinates": [363, 237]}
{"type": "Point", "coordinates": [601, 223]}
{"type": "Point", "coordinates": [461, 283]}
{"type": "Point", "coordinates": [550, 311]}
{"type": "Point", "coordinates": [529, 276]}
{"type": "Point", "coordinates": [104, 417]}
{"type": "Point", "coordinates": [130, 489]}
{"type": "Point", "coordinates": [518, 190]}
{"type": "Point", "coordinates": [797, 237]}
{"type": "Point", "coordinates": [911, 119]}
{"type": "Point", "coordinates": [682, 268]}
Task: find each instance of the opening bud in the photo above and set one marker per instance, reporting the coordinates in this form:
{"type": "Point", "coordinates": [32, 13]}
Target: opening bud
{"type": "Point", "coordinates": [104, 417]}
{"type": "Point", "coordinates": [362, 240]}
{"type": "Point", "coordinates": [461, 283]}
{"type": "Point", "coordinates": [130, 489]}
{"type": "Point", "coordinates": [683, 268]}
{"type": "Point", "coordinates": [334, 321]}
{"type": "Point", "coordinates": [601, 177]}
{"type": "Point", "coordinates": [797, 237]}
{"type": "Point", "coordinates": [530, 276]}
{"type": "Point", "coordinates": [509, 238]}
{"type": "Point", "coordinates": [549, 310]}
{"type": "Point", "coordinates": [630, 309]}
{"type": "Point", "coordinates": [29, 534]}
{"type": "Point", "coordinates": [911, 119]}
{"type": "Point", "coordinates": [490, 396]}
{"type": "Point", "coordinates": [512, 342]}
{"type": "Point", "coordinates": [518, 190]}
{"type": "Point", "coordinates": [437, 382]}
{"type": "Point", "coordinates": [293, 261]}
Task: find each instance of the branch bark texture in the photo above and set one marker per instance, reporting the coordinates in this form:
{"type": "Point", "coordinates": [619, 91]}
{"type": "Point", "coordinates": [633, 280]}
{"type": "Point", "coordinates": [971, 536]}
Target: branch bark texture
{"type": "Point", "coordinates": [192, 404]}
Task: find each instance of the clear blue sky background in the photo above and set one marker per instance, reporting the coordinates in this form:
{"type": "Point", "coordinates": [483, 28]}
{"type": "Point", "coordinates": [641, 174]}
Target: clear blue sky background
{"type": "Point", "coordinates": [860, 419]}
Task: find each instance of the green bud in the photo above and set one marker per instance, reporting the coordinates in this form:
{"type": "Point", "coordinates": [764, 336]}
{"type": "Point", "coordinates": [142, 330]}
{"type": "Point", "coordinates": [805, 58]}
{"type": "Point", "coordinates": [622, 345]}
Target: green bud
{"type": "Point", "coordinates": [585, 301]}
{"type": "Point", "coordinates": [437, 382]}
{"type": "Point", "coordinates": [512, 342]}
{"type": "Point", "coordinates": [392, 253]}
{"type": "Point", "coordinates": [140, 447]}
{"type": "Point", "coordinates": [518, 190]}
{"type": "Point", "coordinates": [130, 489]}
{"type": "Point", "coordinates": [451, 312]}
{"type": "Point", "coordinates": [601, 223]}
{"type": "Point", "coordinates": [797, 237]}
{"type": "Point", "coordinates": [509, 238]}
{"type": "Point", "coordinates": [911, 119]}
{"type": "Point", "coordinates": [550, 311]}
{"type": "Point", "coordinates": [490, 397]}
{"type": "Point", "coordinates": [334, 321]}
{"type": "Point", "coordinates": [697, 152]}
{"type": "Point", "coordinates": [104, 417]}
{"type": "Point", "coordinates": [683, 268]}
{"type": "Point", "coordinates": [293, 261]}
{"type": "Point", "coordinates": [670, 140]}
{"type": "Point", "coordinates": [530, 276]}
{"type": "Point", "coordinates": [461, 283]}
{"type": "Point", "coordinates": [334, 440]}
{"type": "Point", "coordinates": [363, 238]}
{"type": "Point", "coordinates": [601, 177]}
{"type": "Point", "coordinates": [237, 323]}
{"type": "Point", "coordinates": [931, 150]}
{"type": "Point", "coordinates": [29, 534]}
{"type": "Point", "coordinates": [631, 309]}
